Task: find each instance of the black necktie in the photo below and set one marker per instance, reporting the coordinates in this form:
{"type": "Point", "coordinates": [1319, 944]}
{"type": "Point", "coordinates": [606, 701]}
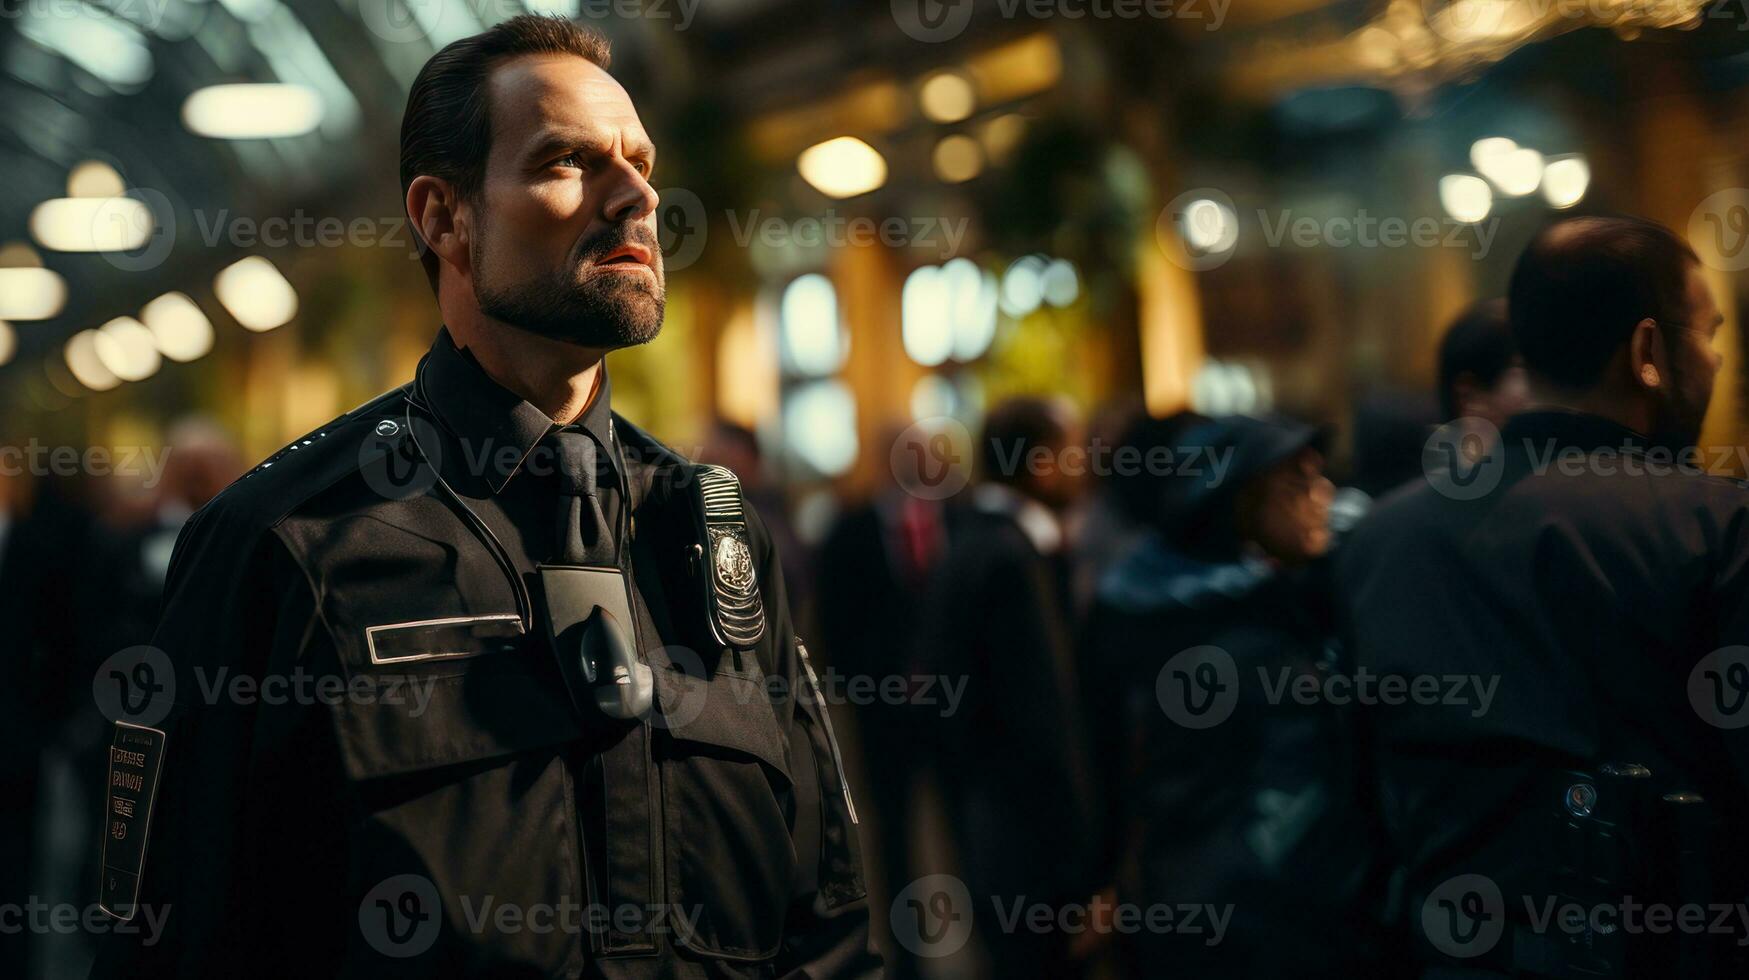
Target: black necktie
{"type": "Point", "coordinates": [584, 537]}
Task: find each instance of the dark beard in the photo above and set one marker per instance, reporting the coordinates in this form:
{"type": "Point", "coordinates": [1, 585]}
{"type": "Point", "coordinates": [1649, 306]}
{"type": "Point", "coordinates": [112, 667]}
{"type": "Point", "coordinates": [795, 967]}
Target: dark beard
{"type": "Point", "coordinates": [607, 312]}
{"type": "Point", "coordinates": [1679, 419]}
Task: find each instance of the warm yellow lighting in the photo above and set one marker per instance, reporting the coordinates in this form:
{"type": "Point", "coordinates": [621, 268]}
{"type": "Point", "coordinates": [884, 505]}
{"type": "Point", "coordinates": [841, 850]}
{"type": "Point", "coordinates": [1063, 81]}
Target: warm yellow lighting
{"type": "Point", "coordinates": [1017, 69]}
{"type": "Point", "coordinates": [1565, 180]}
{"type": "Point", "coordinates": [82, 360]}
{"type": "Point", "coordinates": [94, 178]}
{"type": "Point", "coordinates": [242, 112]}
{"type": "Point", "coordinates": [1465, 197]}
{"type": "Point", "coordinates": [127, 349]}
{"type": "Point", "coordinates": [947, 97]}
{"type": "Point", "coordinates": [91, 224]}
{"type": "Point", "coordinates": [1001, 135]}
{"type": "Point", "coordinates": [1517, 173]}
{"type": "Point", "coordinates": [1470, 21]}
{"type": "Point", "coordinates": [256, 295]}
{"type": "Point", "coordinates": [31, 293]}
{"type": "Point", "coordinates": [1486, 151]}
{"type": "Point", "coordinates": [842, 167]}
{"type": "Point", "coordinates": [180, 330]}
{"type": "Point", "coordinates": [958, 158]}
{"type": "Point", "coordinates": [1209, 226]}
{"type": "Point", "coordinates": [8, 341]}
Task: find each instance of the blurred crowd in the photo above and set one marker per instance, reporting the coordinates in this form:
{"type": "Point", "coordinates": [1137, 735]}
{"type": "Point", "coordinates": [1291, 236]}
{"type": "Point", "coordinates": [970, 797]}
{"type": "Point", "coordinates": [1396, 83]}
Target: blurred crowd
{"type": "Point", "coordinates": [1049, 674]}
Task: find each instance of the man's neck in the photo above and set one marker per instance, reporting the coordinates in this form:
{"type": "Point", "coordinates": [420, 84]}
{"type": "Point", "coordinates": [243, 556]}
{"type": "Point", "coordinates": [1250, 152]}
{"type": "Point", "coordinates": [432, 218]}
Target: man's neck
{"type": "Point", "coordinates": [1629, 412]}
{"type": "Point", "coordinates": [557, 377]}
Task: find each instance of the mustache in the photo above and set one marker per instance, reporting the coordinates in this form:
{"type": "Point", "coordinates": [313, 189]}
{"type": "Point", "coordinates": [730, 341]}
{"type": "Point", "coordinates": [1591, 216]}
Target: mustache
{"type": "Point", "coordinates": [597, 246]}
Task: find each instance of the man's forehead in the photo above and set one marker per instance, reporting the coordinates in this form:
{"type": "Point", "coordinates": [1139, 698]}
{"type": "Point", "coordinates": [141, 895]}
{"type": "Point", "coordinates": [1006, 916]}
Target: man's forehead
{"type": "Point", "coordinates": [560, 90]}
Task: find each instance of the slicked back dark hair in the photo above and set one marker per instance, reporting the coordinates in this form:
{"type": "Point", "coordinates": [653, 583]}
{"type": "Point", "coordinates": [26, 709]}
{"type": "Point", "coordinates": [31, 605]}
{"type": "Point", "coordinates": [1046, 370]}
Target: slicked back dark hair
{"type": "Point", "coordinates": [1582, 285]}
{"type": "Point", "coordinates": [447, 128]}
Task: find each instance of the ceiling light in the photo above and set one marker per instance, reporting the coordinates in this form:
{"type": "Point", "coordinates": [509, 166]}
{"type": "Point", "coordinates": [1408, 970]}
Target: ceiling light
{"type": "Point", "coordinates": [91, 224]}
{"type": "Point", "coordinates": [127, 349]}
{"type": "Point", "coordinates": [179, 328]}
{"type": "Point", "coordinates": [1465, 197]}
{"type": "Point", "coordinates": [842, 167]}
{"type": "Point", "coordinates": [256, 294]}
{"type": "Point", "coordinates": [31, 294]}
{"type": "Point", "coordinates": [244, 112]}
{"type": "Point", "coordinates": [947, 97]}
{"type": "Point", "coordinates": [958, 158]}
{"type": "Point", "coordinates": [82, 360]}
{"type": "Point", "coordinates": [94, 178]}
{"type": "Point", "coordinates": [1565, 180]}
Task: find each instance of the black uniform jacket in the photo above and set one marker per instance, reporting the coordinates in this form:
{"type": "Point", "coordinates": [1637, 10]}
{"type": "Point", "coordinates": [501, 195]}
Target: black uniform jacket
{"type": "Point", "coordinates": [1590, 585]}
{"type": "Point", "coordinates": [451, 811]}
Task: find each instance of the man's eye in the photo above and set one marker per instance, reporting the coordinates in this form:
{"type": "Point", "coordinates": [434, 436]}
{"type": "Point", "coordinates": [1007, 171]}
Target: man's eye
{"type": "Point", "coordinates": [569, 160]}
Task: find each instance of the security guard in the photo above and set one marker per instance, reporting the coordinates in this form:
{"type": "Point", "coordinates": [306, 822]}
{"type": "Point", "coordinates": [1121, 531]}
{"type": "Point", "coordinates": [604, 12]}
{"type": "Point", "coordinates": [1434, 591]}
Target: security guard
{"type": "Point", "coordinates": [1567, 597]}
{"type": "Point", "coordinates": [480, 679]}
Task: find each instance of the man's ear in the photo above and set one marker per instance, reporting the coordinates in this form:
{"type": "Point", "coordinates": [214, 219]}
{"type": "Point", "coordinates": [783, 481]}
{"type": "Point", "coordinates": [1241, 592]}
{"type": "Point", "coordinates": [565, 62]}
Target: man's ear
{"type": "Point", "coordinates": [440, 219]}
{"type": "Point", "coordinates": [1645, 360]}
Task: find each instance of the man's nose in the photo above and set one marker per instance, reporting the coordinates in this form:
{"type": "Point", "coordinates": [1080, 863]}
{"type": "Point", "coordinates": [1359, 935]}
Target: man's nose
{"type": "Point", "coordinates": [628, 195]}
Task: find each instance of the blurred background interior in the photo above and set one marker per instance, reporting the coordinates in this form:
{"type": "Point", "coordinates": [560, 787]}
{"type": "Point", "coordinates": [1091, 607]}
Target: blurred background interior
{"type": "Point", "coordinates": [873, 213]}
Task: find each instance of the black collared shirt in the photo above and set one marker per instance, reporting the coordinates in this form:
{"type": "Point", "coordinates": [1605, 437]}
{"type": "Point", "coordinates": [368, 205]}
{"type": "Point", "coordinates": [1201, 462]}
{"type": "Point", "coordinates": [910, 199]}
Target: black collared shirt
{"type": "Point", "coordinates": [498, 451]}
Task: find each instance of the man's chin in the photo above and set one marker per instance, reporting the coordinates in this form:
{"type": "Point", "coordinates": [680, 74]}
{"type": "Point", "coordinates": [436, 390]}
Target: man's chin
{"type": "Point", "coordinates": [602, 319]}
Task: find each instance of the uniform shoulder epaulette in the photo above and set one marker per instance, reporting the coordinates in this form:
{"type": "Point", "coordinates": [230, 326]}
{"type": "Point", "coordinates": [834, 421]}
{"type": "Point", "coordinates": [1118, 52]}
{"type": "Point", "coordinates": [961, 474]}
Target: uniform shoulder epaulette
{"type": "Point", "coordinates": [317, 459]}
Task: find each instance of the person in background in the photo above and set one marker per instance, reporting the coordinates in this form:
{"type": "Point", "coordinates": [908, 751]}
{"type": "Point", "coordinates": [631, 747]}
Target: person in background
{"type": "Point", "coordinates": [878, 560]}
{"type": "Point", "coordinates": [995, 618]}
{"type": "Point", "coordinates": [53, 587]}
{"type": "Point", "coordinates": [1481, 376]}
{"type": "Point", "coordinates": [1583, 603]}
{"type": "Point", "coordinates": [1100, 529]}
{"type": "Point", "coordinates": [201, 460]}
{"type": "Point", "coordinates": [1236, 797]}
{"type": "Point", "coordinates": [1130, 497]}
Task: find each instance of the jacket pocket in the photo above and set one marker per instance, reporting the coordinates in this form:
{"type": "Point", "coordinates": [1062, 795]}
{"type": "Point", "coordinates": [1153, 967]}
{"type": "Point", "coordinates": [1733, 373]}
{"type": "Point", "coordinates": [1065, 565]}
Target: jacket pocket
{"type": "Point", "coordinates": [727, 808]}
{"type": "Point", "coordinates": [446, 691]}
{"type": "Point", "coordinates": [454, 741]}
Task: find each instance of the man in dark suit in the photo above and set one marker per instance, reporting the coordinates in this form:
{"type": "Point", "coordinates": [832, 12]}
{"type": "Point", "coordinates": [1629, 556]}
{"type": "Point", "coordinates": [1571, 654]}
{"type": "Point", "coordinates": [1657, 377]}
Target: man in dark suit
{"type": "Point", "coordinates": [1586, 568]}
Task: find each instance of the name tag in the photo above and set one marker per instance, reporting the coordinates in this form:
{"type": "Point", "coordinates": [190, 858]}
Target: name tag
{"type": "Point", "coordinates": [441, 639]}
{"type": "Point", "coordinates": [136, 758]}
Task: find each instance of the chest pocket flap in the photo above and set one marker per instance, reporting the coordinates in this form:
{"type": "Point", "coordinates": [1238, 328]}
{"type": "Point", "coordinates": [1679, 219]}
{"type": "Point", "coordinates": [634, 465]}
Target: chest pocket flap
{"type": "Point", "coordinates": [446, 691]}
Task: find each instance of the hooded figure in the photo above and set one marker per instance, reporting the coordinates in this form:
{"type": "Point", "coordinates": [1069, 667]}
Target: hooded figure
{"type": "Point", "coordinates": [1236, 789]}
